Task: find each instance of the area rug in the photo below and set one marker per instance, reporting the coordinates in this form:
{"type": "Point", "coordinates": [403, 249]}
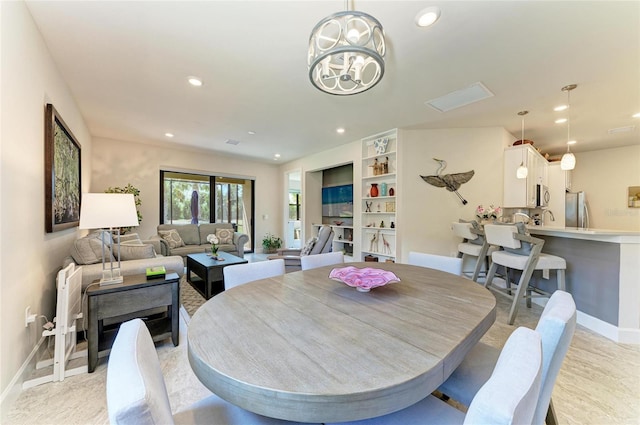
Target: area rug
{"type": "Point", "coordinates": [190, 299]}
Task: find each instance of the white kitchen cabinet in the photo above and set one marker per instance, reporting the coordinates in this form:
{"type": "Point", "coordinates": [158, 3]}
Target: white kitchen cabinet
{"type": "Point", "coordinates": [521, 193]}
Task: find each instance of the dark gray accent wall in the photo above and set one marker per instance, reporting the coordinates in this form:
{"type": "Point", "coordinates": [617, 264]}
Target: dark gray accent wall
{"type": "Point", "coordinates": [593, 275]}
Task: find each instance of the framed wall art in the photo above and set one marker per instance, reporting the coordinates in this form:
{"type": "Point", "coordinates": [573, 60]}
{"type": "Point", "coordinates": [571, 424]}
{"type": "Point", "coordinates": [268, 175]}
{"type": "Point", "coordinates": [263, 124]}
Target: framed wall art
{"type": "Point", "coordinates": [62, 174]}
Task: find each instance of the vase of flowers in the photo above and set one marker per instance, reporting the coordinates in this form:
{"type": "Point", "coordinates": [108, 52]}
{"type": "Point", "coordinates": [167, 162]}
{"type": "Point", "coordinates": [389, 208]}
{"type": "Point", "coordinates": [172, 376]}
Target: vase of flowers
{"type": "Point", "coordinates": [213, 240]}
{"type": "Point", "coordinates": [487, 215]}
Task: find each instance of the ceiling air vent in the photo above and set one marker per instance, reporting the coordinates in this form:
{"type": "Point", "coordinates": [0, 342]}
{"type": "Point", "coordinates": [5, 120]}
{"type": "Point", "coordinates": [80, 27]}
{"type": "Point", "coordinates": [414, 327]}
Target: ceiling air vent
{"type": "Point", "coordinates": [232, 142]}
{"type": "Point", "coordinates": [474, 93]}
{"type": "Point", "coordinates": [621, 129]}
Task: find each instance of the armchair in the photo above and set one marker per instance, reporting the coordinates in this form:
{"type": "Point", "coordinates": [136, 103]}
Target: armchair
{"type": "Point", "coordinates": [317, 245]}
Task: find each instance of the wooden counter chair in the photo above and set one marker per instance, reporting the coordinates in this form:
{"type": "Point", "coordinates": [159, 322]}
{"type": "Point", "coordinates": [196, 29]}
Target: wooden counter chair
{"type": "Point", "coordinates": [473, 244]}
{"type": "Point", "coordinates": [520, 251]}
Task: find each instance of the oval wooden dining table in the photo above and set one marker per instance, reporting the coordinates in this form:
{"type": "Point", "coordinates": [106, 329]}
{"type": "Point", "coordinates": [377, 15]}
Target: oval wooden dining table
{"type": "Point", "coordinates": [307, 348]}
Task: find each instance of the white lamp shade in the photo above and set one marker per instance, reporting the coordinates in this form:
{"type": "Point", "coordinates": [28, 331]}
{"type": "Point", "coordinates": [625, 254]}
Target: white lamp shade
{"type": "Point", "coordinates": [522, 172]}
{"type": "Point", "coordinates": [108, 210]}
{"type": "Point", "coordinates": [568, 161]}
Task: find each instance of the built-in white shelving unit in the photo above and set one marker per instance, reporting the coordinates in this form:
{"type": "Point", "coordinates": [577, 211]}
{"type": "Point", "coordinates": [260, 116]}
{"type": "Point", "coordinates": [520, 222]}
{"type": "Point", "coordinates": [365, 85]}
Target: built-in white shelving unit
{"type": "Point", "coordinates": [379, 190]}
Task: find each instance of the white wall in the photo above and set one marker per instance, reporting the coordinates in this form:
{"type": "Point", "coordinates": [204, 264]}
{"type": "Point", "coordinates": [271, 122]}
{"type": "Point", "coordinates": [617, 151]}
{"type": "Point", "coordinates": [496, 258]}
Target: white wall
{"type": "Point", "coordinates": [605, 176]}
{"type": "Point", "coordinates": [426, 212]}
{"type": "Point", "coordinates": [312, 183]}
{"type": "Point", "coordinates": [30, 257]}
{"type": "Point", "coordinates": [118, 163]}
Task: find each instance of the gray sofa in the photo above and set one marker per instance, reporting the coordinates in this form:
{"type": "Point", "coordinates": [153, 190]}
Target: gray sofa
{"type": "Point", "coordinates": [135, 256]}
{"type": "Point", "coordinates": [194, 239]}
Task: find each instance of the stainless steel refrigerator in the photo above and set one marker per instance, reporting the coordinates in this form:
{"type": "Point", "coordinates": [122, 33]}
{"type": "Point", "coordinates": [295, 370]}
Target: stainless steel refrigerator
{"type": "Point", "coordinates": [576, 211]}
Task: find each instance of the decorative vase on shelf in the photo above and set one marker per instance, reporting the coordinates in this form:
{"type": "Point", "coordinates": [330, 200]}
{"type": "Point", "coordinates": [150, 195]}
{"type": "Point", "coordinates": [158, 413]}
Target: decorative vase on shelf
{"type": "Point", "coordinates": [391, 191]}
{"type": "Point", "coordinates": [374, 190]}
{"type": "Point", "coordinates": [383, 189]}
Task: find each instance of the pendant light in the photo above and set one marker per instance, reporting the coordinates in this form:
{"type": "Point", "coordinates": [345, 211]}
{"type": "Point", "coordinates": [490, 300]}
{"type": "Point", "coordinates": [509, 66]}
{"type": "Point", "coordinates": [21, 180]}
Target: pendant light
{"type": "Point", "coordinates": [346, 53]}
{"type": "Point", "coordinates": [522, 172]}
{"type": "Point", "coordinates": [568, 161]}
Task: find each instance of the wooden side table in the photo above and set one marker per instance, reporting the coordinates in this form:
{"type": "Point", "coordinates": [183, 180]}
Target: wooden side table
{"type": "Point", "coordinates": [130, 299]}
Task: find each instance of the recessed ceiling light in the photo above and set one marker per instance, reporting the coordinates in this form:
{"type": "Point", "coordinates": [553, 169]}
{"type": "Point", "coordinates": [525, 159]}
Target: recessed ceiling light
{"type": "Point", "coordinates": [560, 108]}
{"type": "Point", "coordinates": [428, 16]}
{"type": "Point", "coordinates": [561, 121]}
{"type": "Point", "coordinates": [571, 142]}
{"type": "Point", "coordinates": [168, 134]}
{"type": "Point", "coordinates": [195, 81]}
{"type": "Point", "coordinates": [636, 115]}
{"type": "Point", "coordinates": [340, 130]}
{"type": "Point", "coordinates": [276, 156]}
{"type": "Point", "coordinates": [251, 132]}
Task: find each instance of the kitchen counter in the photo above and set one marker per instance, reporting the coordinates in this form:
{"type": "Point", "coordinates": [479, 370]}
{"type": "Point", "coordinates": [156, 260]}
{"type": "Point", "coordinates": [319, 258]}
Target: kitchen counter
{"type": "Point", "coordinates": [604, 235]}
{"type": "Point", "coordinates": [602, 275]}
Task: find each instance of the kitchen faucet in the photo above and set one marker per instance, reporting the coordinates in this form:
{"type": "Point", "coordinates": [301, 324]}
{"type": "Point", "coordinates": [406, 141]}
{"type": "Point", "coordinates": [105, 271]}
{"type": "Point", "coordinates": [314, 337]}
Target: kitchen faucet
{"type": "Point", "coordinates": [524, 215]}
{"type": "Point", "coordinates": [550, 216]}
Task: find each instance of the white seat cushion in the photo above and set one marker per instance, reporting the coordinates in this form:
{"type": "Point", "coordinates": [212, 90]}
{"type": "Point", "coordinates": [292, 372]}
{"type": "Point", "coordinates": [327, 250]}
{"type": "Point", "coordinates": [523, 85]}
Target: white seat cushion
{"type": "Point", "coordinates": [469, 248]}
{"type": "Point", "coordinates": [471, 375]}
{"type": "Point", "coordinates": [473, 249]}
{"type": "Point", "coordinates": [214, 410]}
{"type": "Point", "coordinates": [516, 261]}
{"type": "Point", "coordinates": [430, 410]}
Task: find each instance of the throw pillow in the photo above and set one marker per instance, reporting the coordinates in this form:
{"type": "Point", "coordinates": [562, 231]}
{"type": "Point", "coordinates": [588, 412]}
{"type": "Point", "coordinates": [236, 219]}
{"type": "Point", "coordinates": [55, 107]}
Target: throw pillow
{"type": "Point", "coordinates": [82, 252]}
{"type": "Point", "coordinates": [130, 239]}
{"type": "Point", "coordinates": [172, 237]}
{"type": "Point", "coordinates": [133, 252]}
{"type": "Point", "coordinates": [225, 236]}
{"type": "Point", "coordinates": [525, 247]}
{"type": "Point", "coordinates": [88, 250]}
{"type": "Point", "coordinates": [306, 249]}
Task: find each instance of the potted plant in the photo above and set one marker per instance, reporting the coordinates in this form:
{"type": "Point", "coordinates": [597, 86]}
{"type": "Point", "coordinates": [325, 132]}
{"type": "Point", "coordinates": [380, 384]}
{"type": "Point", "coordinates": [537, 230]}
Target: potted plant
{"type": "Point", "coordinates": [271, 243]}
{"type": "Point", "coordinates": [136, 196]}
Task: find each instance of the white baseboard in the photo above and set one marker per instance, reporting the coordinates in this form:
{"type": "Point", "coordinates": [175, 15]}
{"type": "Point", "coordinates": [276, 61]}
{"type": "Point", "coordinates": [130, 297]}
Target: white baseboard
{"type": "Point", "coordinates": [607, 330]}
{"type": "Point", "coordinates": [11, 393]}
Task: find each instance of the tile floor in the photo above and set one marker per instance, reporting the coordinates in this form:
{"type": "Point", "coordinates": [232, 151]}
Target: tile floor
{"type": "Point", "coordinates": [599, 382]}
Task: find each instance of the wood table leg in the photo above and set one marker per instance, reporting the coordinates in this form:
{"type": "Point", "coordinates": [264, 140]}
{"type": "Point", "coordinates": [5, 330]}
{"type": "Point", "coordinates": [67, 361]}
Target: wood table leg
{"type": "Point", "coordinates": [93, 336]}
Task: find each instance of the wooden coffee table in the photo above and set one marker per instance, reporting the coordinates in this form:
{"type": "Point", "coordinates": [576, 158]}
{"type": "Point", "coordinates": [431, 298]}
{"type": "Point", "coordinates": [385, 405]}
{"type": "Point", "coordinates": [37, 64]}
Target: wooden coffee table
{"type": "Point", "coordinates": [210, 280]}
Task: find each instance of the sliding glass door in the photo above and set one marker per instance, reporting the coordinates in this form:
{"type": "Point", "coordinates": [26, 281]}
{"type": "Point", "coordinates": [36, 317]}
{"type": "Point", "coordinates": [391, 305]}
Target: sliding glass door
{"type": "Point", "coordinates": [188, 198]}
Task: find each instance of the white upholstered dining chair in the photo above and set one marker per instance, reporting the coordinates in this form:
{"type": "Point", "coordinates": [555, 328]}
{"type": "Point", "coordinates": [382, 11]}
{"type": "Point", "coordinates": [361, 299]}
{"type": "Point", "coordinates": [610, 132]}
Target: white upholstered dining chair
{"type": "Point", "coordinates": [239, 274]}
{"type": "Point", "coordinates": [319, 260]}
{"type": "Point", "coordinates": [451, 265]}
{"type": "Point", "coordinates": [556, 327]}
{"type": "Point", "coordinates": [508, 397]}
{"type": "Point", "coordinates": [523, 252]}
{"type": "Point", "coordinates": [136, 392]}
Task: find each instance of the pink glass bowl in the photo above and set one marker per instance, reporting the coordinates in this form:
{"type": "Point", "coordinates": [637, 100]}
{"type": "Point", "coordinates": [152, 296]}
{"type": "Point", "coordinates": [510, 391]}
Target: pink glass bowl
{"type": "Point", "coordinates": [363, 279]}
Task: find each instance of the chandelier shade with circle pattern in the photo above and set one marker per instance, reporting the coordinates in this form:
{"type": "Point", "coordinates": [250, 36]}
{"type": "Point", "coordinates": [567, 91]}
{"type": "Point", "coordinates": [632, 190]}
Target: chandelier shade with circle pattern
{"type": "Point", "coordinates": [346, 53]}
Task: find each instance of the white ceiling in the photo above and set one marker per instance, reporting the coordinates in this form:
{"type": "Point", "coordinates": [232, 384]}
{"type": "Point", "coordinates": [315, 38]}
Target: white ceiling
{"type": "Point", "coordinates": [127, 63]}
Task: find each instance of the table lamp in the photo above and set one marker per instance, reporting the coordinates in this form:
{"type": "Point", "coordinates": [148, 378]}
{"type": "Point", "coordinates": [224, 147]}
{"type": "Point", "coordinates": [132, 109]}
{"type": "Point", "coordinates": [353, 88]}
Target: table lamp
{"type": "Point", "coordinates": [108, 211]}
